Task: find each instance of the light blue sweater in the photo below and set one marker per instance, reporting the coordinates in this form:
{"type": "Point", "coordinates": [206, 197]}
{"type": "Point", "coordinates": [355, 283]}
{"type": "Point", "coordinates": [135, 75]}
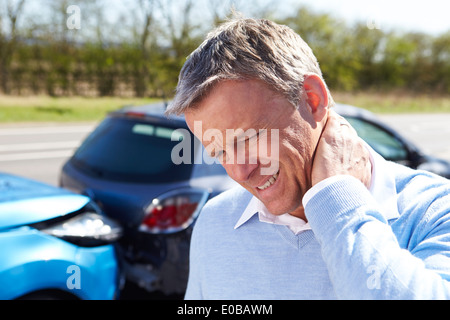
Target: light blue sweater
{"type": "Point", "coordinates": [352, 252]}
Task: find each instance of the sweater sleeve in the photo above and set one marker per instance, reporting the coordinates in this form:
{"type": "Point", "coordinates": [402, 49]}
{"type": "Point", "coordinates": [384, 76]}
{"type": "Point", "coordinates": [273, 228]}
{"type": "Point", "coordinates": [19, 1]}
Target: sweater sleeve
{"type": "Point", "coordinates": [362, 253]}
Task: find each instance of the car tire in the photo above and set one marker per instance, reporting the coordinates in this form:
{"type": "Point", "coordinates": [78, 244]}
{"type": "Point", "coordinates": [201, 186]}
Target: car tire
{"type": "Point", "coordinates": [48, 295]}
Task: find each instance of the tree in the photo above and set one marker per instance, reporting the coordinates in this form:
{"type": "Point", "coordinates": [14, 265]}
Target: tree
{"type": "Point", "coordinates": [8, 43]}
{"type": "Point", "coordinates": [330, 41]}
{"type": "Point", "coordinates": [440, 55]}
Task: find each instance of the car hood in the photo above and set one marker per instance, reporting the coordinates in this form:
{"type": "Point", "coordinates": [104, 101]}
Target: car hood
{"type": "Point", "coordinates": [24, 201]}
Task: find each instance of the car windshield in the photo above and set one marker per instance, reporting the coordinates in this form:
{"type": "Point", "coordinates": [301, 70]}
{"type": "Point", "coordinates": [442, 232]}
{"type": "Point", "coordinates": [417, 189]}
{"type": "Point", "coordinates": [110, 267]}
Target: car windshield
{"type": "Point", "coordinates": [132, 150]}
{"type": "Point", "coordinates": [381, 141]}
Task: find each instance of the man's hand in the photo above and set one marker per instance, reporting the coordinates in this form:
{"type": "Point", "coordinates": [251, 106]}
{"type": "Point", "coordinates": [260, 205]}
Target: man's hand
{"type": "Point", "coordinates": [341, 152]}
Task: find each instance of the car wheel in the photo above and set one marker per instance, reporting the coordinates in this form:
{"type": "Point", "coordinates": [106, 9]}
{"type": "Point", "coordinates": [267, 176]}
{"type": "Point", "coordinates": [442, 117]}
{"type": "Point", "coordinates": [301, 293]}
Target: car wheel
{"type": "Point", "coordinates": [48, 295]}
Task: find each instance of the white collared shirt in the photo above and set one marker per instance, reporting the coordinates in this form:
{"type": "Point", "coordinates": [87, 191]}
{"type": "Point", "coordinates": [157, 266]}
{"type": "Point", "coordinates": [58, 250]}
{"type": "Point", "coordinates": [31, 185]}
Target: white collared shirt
{"type": "Point", "coordinates": [382, 189]}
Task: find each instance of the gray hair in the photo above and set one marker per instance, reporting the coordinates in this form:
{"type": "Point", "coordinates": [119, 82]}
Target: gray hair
{"type": "Point", "coordinates": [247, 49]}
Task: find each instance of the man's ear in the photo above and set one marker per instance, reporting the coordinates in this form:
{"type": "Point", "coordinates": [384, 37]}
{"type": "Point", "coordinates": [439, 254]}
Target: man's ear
{"type": "Point", "coordinates": [316, 96]}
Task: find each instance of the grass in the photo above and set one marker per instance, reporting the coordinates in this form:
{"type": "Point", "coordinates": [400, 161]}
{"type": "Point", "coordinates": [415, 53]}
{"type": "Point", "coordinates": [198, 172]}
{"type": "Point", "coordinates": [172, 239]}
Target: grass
{"type": "Point", "coordinates": [60, 109]}
{"type": "Point", "coordinates": [396, 102]}
{"type": "Point", "coordinates": [69, 109]}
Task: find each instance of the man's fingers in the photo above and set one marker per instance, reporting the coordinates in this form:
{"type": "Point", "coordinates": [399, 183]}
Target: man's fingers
{"type": "Point", "coordinates": [340, 151]}
{"type": "Point", "coordinates": [338, 122]}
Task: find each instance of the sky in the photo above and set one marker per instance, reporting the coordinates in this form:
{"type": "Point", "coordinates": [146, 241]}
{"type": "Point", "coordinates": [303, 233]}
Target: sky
{"type": "Point", "coordinates": [429, 16]}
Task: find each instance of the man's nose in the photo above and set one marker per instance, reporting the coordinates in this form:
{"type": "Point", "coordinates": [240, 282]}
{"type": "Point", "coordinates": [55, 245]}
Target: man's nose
{"type": "Point", "coordinates": [240, 172]}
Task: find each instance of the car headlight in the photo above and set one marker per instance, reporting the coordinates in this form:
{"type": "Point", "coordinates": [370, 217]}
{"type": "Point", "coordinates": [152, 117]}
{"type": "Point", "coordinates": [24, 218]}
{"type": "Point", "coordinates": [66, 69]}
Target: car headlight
{"type": "Point", "coordinates": [87, 228]}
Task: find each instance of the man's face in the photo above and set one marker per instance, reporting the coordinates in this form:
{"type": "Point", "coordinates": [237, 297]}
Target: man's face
{"type": "Point", "coordinates": [277, 160]}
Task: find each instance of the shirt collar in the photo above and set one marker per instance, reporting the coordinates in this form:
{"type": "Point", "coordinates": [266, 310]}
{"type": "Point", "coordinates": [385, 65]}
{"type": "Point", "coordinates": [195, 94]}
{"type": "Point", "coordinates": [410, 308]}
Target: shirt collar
{"type": "Point", "coordinates": [253, 207]}
{"type": "Point", "coordinates": [296, 225]}
{"type": "Point", "coordinates": [382, 189]}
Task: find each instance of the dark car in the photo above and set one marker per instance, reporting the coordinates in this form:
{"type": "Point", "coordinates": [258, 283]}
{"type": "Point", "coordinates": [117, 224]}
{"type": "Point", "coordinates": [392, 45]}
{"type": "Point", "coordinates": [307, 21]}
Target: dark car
{"type": "Point", "coordinates": [389, 143]}
{"type": "Point", "coordinates": [126, 165]}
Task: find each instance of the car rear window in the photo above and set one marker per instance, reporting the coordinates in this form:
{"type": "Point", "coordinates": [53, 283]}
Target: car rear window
{"type": "Point", "coordinates": [132, 150]}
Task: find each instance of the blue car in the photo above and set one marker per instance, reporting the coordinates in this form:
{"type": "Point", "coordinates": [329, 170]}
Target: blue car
{"type": "Point", "coordinates": [54, 244]}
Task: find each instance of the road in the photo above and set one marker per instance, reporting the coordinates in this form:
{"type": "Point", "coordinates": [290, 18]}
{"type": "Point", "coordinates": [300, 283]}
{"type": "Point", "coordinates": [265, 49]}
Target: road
{"type": "Point", "coordinates": [430, 132]}
{"type": "Point", "coordinates": [38, 151]}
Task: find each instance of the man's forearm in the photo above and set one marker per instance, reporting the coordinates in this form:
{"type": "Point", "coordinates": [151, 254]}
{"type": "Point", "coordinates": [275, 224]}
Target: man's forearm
{"type": "Point", "coordinates": [361, 251]}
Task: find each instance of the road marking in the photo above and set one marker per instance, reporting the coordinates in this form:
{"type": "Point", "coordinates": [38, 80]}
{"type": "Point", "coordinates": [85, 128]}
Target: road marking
{"type": "Point", "coordinates": [36, 155]}
{"type": "Point", "coordinates": [445, 154]}
{"type": "Point", "coordinates": [45, 130]}
{"type": "Point", "coordinates": [39, 146]}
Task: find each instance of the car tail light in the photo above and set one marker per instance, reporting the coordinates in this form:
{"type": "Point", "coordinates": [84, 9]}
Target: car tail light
{"type": "Point", "coordinates": [173, 211]}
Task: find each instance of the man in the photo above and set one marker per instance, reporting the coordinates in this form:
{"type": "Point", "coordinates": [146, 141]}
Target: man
{"type": "Point", "coordinates": [329, 218]}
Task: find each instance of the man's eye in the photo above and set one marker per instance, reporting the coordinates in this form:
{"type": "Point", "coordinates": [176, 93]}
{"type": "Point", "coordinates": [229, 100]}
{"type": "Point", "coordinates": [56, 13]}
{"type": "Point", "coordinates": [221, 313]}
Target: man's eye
{"type": "Point", "coordinates": [217, 154]}
{"type": "Point", "coordinates": [252, 138]}
{"type": "Point", "coordinates": [255, 137]}
{"type": "Point", "coordinates": [262, 132]}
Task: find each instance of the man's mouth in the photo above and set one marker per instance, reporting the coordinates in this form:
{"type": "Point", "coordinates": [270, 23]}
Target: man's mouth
{"type": "Point", "coordinates": [269, 182]}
